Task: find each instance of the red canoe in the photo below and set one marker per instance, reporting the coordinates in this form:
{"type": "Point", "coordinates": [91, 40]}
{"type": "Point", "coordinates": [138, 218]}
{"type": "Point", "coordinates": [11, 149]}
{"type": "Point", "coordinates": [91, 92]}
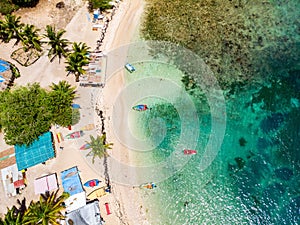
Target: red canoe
{"type": "Point", "coordinates": [189, 152]}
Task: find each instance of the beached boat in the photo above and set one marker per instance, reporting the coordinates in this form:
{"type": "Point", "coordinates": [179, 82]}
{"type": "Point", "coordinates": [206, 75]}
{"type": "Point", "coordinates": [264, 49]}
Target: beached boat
{"type": "Point", "coordinates": [129, 67]}
{"type": "Point", "coordinates": [99, 192]}
{"type": "Point", "coordinates": [88, 127]}
{"type": "Point", "coordinates": [150, 185]}
{"type": "Point", "coordinates": [140, 107]}
{"type": "Point", "coordinates": [76, 134]}
{"type": "Point", "coordinates": [189, 152]}
{"type": "Point", "coordinates": [85, 146]}
{"type": "Point", "coordinates": [92, 183]}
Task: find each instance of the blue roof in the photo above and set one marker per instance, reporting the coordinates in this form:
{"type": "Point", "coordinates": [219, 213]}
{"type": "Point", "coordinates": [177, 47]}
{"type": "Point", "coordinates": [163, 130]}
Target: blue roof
{"type": "Point", "coordinates": [71, 181]}
{"type": "Point", "coordinates": [39, 151]}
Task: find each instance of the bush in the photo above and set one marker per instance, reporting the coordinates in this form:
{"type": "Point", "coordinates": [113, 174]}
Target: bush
{"type": "Point", "coordinates": [6, 7]}
{"type": "Point", "coordinates": [26, 3]}
{"type": "Point", "coordinates": [99, 4]}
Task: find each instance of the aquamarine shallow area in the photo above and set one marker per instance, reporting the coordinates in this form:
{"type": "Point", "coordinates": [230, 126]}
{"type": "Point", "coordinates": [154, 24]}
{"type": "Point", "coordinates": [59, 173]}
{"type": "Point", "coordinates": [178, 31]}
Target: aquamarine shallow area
{"type": "Point", "coordinates": [255, 177]}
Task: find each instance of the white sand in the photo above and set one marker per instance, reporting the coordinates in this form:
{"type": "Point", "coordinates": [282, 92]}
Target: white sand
{"type": "Point", "coordinates": [125, 203]}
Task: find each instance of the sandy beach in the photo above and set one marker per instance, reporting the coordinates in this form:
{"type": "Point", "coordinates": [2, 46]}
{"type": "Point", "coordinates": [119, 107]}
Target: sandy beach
{"type": "Point", "coordinates": [125, 203]}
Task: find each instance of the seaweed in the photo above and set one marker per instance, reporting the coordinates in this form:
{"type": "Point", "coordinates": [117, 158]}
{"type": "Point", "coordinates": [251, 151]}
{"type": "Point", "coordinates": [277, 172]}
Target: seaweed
{"type": "Point", "coordinates": [242, 142]}
{"type": "Point", "coordinates": [240, 162]}
{"type": "Point", "coordinates": [239, 40]}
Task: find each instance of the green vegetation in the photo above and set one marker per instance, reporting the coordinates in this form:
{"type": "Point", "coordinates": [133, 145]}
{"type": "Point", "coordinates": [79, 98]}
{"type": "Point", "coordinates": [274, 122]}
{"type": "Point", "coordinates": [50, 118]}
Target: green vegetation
{"type": "Point", "coordinates": [11, 28]}
{"type": "Point", "coordinates": [98, 147]}
{"type": "Point", "coordinates": [62, 96]}
{"type": "Point", "coordinates": [30, 38]}
{"type": "Point", "coordinates": [9, 6]}
{"type": "Point", "coordinates": [77, 59]}
{"type": "Point", "coordinates": [48, 210]}
{"type": "Point", "coordinates": [25, 3]}
{"type": "Point", "coordinates": [58, 45]}
{"type": "Point", "coordinates": [99, 4]}
{"type": "Point", "coordinates": [6, 7]}
{"type": "Point", "coordinates": [28, 112]}
{"type": "Point", "coordinates": [228, 35]}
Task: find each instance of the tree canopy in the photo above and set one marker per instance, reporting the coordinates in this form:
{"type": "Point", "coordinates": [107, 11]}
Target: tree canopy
{"type": "Point", "coordinates": [77, 59]}
{"type": "Point", "coordinates": [98, 147]}
{"type": "Point", "coordinates": [47, 210]}
{"type": "Point", "coordinates": [27, 112]}
{"type": "Point", "coordinates": [100, 4]}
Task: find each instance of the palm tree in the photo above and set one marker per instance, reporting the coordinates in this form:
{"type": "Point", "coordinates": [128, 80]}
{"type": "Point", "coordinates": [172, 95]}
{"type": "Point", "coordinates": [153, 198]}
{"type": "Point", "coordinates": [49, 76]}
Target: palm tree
{"type": "Point", "coordinates": [12, 217]}
{"type": "Point", "coordinates": [77, 59]}
{"type": "Point", "coordinates": [47, 210]}
{"type": "Point", "coordinates": [80, 48]}
{"type": "Point", "coordinates": [60, 100]}
{"type": "Point", "coordinates": [64, 88]}
{"type": "Point", "coordinates": [58, 45]}
{"type": "Point", "coordinates": [99, 147]}
{"type": "Point", "coordinates": [30, 38]}
{"type": "Point", "coordinates": [11, 28]}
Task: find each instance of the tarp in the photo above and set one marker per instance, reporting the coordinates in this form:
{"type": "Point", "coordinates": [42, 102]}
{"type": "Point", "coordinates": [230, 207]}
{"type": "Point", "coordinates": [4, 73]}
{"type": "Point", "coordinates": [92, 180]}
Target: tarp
{"type": "Point", "coordinates": [71, 181]}
{"type": "Point", "coordinates": [88, 214]}
{"type": "Point", "coordinates": [75, 202]}
{"type": "Point", "coordinates": [38, 152]}
{"type": "Point", "coordinates": [72, 184]}
{"type": "Point", "coordinates": [46, 183]}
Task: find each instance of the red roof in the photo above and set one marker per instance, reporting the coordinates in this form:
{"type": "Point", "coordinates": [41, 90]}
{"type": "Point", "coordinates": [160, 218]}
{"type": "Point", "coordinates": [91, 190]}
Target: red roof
{"type": "Point", "coordinates": [19, 183]}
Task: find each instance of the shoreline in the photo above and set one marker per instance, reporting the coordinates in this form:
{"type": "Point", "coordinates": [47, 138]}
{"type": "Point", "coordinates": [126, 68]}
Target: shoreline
{"type": "Point", "coordinates": [45, 73]}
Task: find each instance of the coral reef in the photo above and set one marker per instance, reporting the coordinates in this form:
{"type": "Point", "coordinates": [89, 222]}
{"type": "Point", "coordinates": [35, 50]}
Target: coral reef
{"type": "Point", "coordinates": [240, 40]}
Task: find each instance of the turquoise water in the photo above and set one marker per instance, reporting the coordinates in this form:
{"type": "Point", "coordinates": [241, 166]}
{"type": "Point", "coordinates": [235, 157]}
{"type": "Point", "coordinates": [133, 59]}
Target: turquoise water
{"type": "Point", "coordinates": [253, 180]}
{"type": "Point", "coordinates": [255, 177]}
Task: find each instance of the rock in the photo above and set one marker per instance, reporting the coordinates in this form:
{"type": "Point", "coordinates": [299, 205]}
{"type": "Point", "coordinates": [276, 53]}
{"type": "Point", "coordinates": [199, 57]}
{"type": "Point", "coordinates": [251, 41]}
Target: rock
{"type": "Point", "coordinates": [60, 5]}
{"type": "Point", "coordinates": [242, 141]}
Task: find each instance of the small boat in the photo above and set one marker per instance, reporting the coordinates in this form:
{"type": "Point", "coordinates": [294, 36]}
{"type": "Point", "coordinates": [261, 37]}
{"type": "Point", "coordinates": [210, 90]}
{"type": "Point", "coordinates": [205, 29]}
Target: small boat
{"type": "Point", "coordinates": [140, 107]}
{"type": "Point", "coordinates": [97, 193]}
{"type": "Point", "coordinates": [88, 127]}
{"type": "Point", "coordinates": [85, 146]}
{"type": "Point", "coordinates": [129, 67]}
{"type": "Point", "coordinates": [92, 183]}
{"type": "Point", "coordinates": [76, 134]}
{"type": "Point", "coordinates": [150, 185]}
{"type": "Point", "coordinates": [189, 152]}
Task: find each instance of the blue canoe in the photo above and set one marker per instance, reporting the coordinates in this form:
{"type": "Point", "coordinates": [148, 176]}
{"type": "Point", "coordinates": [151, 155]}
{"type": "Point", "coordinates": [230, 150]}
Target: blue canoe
{"type": "Point", "coordinates": [92, 183]}
{"type": "Point", "coordinates": [140, 107]}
